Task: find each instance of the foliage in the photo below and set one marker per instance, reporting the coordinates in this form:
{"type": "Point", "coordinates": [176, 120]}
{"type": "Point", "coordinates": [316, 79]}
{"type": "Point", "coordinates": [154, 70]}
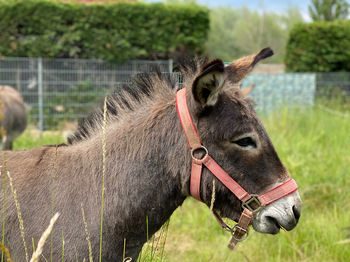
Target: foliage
{"type": "Point", "coordinates": [319, 47]}
{"type": "Point", "coordinates": [328, 10]}
{"type": "Point", "coordinates": [221, 40]}
{"type": "Point", "coordinates": [181, 1]}
{"type": "Point", "coordinates": [117, 31]}
{"type": "Point", "coordinates": [238, 32]}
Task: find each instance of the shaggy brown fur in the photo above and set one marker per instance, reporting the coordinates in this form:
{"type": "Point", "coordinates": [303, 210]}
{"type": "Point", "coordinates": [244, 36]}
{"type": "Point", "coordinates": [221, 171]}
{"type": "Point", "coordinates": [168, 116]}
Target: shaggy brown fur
{"type": "Point", "coordinates": [13, 116]}
{"type": "Point", "coordinates": [148, 165]}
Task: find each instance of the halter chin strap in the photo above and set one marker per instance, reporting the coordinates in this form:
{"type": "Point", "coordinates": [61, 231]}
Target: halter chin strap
{"type": "Point", "coordinates": [251, 204]}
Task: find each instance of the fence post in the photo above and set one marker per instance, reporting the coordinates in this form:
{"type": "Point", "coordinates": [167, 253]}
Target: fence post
{"type": "Point", "coordinates": [40, 95]}
{"type": "Point", "coordinates": [134, 68]}
{"type": "Point", "coordinates": [170, 64]}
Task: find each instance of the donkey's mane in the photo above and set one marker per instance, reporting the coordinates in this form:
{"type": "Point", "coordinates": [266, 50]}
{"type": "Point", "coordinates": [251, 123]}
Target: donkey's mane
{"type": "Point", "coordinates": [130, 95]}
{"type": "Point", "coordinates": [124, 98]}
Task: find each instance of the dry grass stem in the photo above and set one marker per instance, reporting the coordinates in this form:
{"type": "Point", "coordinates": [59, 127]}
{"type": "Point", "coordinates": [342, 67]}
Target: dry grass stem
{"type": "Point", "coordinates": [44, 258]}
{"type": "Point", "coordinates": [19, 214]}
{"type": "Point", "coordinates": [44, 236]}
{"type": "Point", "coordinates": [53, 196]}
{"type": "Point", "coordinates": [103, 169]}
{"type": "Point", "coordinates": [87, 234]}
{"type": "Point", "coordinates": [63, 246]}
{"type": "Point", "coordinates": [3, 200]}
{"type": "Point", "coordinates": [343, 242]}
{"type": "Point", "coordinates": [212, 197]}
{"type": "Point", "coordinates": [124, 249]}
{"type": "Point", "coordinates": [2, 129]}
{"type": "Point", "coordinates": [6, 251]}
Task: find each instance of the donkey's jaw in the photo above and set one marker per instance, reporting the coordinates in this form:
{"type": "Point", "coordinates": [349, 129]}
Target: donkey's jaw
{"type": "Point", "coordinates": [283, 213]}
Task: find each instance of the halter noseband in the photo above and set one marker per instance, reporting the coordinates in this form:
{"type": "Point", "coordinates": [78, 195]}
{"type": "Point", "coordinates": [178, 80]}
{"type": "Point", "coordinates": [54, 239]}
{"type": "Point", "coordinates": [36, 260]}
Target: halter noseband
{"type": "Point", "coordinates": [251, 204]}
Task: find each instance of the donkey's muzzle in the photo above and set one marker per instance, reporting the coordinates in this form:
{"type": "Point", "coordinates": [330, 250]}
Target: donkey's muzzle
{"type": "Point", "coordinates": [282, 214]}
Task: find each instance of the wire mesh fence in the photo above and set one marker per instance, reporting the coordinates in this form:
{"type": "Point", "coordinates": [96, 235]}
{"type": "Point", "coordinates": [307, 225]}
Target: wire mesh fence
{"type": "Point", "coordinates": [332, 84]}
{"type": "Point", "coordinates": [64, 90]}
{"type": "Point", "coordinates": [57, 90]}
{"type": "Point", "coordinates": [273, 91]}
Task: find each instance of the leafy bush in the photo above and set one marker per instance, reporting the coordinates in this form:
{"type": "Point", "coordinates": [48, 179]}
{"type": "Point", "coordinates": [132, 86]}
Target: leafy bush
{"type": "Point", "coordinates": [110, 31]}
{"type": "Point", "coordinates": [319, 47]}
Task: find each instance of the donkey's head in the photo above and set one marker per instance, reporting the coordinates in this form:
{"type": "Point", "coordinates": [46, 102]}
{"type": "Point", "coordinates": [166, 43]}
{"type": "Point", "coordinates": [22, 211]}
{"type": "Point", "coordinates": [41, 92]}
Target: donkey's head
{"type": "Point", "coordinates": [229, 128]}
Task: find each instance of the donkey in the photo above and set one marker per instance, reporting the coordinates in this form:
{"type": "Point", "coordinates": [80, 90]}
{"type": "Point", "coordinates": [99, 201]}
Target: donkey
{"type": "Point", "coordinates": [147, 166]}
{"type": "Point", "coordinates": [13, 116]}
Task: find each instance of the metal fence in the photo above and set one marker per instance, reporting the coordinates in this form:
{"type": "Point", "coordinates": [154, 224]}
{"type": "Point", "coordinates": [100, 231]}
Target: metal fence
{"type": "Point", "coordinates": [273, 91]}
{"type": "Point", "coordinates": [59, 90]}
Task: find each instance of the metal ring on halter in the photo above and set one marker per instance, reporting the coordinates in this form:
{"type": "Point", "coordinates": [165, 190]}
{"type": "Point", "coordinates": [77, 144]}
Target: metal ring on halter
{"type": "Point", "coordinates": [233, 230]}
{"type": "Point", "coordinates": [202, 147]}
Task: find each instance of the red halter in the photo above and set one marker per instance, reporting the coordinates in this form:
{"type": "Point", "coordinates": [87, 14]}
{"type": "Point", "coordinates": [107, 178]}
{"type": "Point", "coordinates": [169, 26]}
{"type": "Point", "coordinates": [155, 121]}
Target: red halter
{"type": "Point", "coordinates": [240, 230]}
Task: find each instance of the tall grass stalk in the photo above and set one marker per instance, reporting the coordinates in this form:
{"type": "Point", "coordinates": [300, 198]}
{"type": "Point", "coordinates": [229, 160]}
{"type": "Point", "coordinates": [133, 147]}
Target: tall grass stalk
{"type": "Point", "coordinates": [19, 214]}
{"type": "Point", "coordinates": [6, 251]}
{"type": "Point", "coordinates": [33, 244]}
{"type": "Point", "coordinates": [165, 230]}
{"type": "Point", "coordinates": [87, 233]}
{"type": "Point", "coordinates": [161, 240]}
{"type": "Point", "coordinates": [147, 228]}
{"type": "Point", "coordinates": [124, 247]}
{"type": "Point", "coordinates": [62, 246]}
{"type": "Point", "coordinates": [212, 197]}
{"type": "Point", "coordinates": [76, 254]}
{"type": "Point", "coordinates": [36, 255]}
{"type": "Point", "coordinates": [3, 201]}
{"type": "Point", "coordinates": [103, 170]}
{"type": "Point", "coordinates": [153, 250]}
{"type": "Point", "coordinates": [53, 196]}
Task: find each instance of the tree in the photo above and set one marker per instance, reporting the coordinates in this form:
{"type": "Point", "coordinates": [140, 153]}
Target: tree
{"type": "Point", "coordinates": [222, 39]}
{"type": "Point", "coordinates": [238, 32]}
{"type": "Point", "coordinates": [181, 1]}
{"type": "Point", "coordinates": [328, 10]}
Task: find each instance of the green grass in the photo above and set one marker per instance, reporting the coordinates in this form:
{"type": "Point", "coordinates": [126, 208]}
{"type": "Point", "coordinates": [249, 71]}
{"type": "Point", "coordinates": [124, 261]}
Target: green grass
{"type": "Point", "coordinates": [315, 147]}
{"type": "Point", "coordinates": [32, 138]}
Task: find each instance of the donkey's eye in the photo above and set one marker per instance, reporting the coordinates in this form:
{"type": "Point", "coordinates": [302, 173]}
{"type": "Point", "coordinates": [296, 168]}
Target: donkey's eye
{"type": "Point", "coordinates": [245, 142]}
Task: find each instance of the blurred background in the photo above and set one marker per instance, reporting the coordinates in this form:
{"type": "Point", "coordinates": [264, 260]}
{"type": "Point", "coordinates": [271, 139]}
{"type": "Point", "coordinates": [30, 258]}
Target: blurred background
{"type": "Point", "coordinates": [63, 57]}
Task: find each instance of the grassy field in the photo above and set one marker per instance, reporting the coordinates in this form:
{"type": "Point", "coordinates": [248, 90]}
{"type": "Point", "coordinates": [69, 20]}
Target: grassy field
{"type": "Point", "coordinates": [314, 144]}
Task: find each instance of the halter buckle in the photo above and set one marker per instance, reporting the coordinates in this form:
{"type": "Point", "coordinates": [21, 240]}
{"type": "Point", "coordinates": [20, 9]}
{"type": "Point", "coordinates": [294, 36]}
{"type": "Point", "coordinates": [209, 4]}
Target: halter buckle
{"type": "Point", "coordinates": [253, 200]}
{"type": "Point", "coordinates": [237, 227]}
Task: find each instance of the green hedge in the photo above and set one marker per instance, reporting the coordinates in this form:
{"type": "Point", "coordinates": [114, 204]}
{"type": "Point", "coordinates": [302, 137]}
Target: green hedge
{"type": "Point", "coordinates": [319, 47]}
{"type": "Point", "coordinates": [111, 31]}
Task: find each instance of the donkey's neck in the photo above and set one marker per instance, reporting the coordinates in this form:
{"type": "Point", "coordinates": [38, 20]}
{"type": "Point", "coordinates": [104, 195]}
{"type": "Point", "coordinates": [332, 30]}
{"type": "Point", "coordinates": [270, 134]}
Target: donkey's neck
{"type": "Point", "coordinates": [146, 167]}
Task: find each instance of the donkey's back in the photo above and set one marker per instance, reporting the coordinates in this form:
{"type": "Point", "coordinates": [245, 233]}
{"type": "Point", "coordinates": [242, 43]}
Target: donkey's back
{"type": "Point", "coordinates": [13, 116]}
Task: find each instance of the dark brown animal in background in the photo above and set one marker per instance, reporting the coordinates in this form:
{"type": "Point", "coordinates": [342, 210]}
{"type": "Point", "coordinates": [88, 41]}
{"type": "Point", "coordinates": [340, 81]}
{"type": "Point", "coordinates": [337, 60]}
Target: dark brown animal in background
{"type": "Point", "coordinates": [13, 116]}
{"type": "Point", "coordinates": [148, 166]}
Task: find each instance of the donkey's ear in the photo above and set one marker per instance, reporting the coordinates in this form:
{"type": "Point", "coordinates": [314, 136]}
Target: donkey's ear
{"type": "Point", "coordinates": [247, 90]}
{"type": "Point", "coordinates": [239, 69]}
{"type": "Point", "coordinates": [208, 83]}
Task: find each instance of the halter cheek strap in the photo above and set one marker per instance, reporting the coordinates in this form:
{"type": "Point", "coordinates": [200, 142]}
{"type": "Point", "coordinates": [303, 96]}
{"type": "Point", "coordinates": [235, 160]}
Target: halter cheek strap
{"type": "Point", "coordinates": [251, 204]}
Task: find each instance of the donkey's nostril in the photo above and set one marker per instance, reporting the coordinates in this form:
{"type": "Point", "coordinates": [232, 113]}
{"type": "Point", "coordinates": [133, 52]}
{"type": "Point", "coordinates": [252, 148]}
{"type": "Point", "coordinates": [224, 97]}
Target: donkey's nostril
{"type": "Point", "coordinates": [296, 212]}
